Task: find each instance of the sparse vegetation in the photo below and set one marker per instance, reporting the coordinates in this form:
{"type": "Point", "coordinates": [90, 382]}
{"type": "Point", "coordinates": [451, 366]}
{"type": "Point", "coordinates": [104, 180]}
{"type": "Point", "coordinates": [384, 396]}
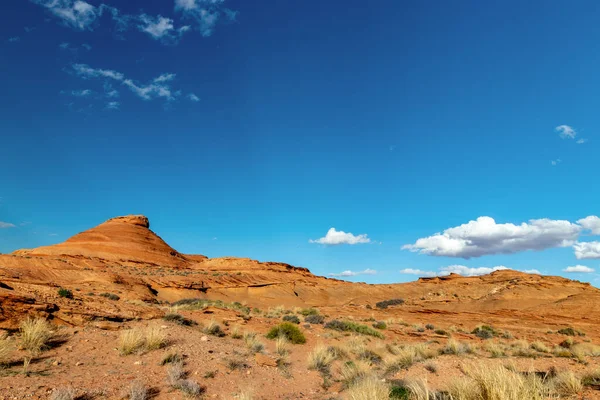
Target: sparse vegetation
{"type": "Point", "coordinates": [382, 305]}
{"type": "Point", "coordinates": [214, 329]}
{"type": "Point", "coordinates": [570, 332]}
{"type": "Point", "coordinates": [351, 372]}
{"type": "Point", "coordinates": [179, 319]}
{"type": "Point", "coordinates": [348, 326]}
{"type": "Point", "coordinates": [380, 325]}
{"type": "Point", "coordinates": [110, 296]}
{"type": "Point", "coordinates": [455, 347]}
{"type": "Point", "coordinates": [137, 391]}
{"type": "Point", "coordinates": [370, 388]}
{"type": "Point", "coordinates": [200, 304]}
{"type": "Point", "coordinates": [282, 345]}
{"type": "Point", "coordinates": [431, 367]}
{"type": "Point", "coordinates": [130, 341]}
{"type": "Point", "coordinates": [540, 346]}
{"type": "Point", "coordinates": [484, 332]}
{"type": "Point", "coordinates": [314, 319]}
{"type": "Point", "coordinates": [171, 358]}
{"type": "Point", "coordinates": [567, 384]}
{"type": "Point", "coordinates": [252, 342]}
{"type": "Point", "coordinates": [66, 293]}
{"type": "Point", "coordinates": [429, 327]}
{"type": "Point", "coordinates": [36, 334]}
{"type": "Point", "coordinates": [320, 359]}
{"type": "Point", "coordinates": [6, 349]}
{"type": "Point", "coordinates": [155, 338]}
{"type": "Point", "coordinates": [67, 393]}
{"type": "Point", "coordinates": [236, 332]}
{"type": "Point", "coordinates": [291, 318]}
{"type": "Point", "coordinates": [308, 311]}
{"type": "Point", "coordinates": [289, 330]}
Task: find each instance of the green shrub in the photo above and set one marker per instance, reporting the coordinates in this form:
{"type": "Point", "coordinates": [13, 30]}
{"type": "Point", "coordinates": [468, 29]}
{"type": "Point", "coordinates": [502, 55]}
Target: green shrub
{"type": "Point", "coordinates": [179, 319]}
{"type": "Point", "coordinates": [309, 311]}
{"type": "Point", "coordinates": [290, 331]}
{"type": "Point", "coordinates": [441, 332]}
{"type": "Point", "coordinates": [386, 303]}
{"type": "Point", "coordinates": [399, 393]}
{"type": "Point", "coordinates": [379, 325]}
{"type": "Point", "coordinates": [347, 326]}
{"type": "Point", "coordinates": [291, 318]}
{"type": "Point", "coordinates": [570, 332]}
{"type": "Point", "coordinates": [110, 296]}
{"type": "Point", "coordinates": [429, 327]}
{"type": "Point", "coordinates": [314, 319]}
{"type": "Point", "coordinates": [484, 332]}
{"type": "Point", "coordinates": [66, 293]}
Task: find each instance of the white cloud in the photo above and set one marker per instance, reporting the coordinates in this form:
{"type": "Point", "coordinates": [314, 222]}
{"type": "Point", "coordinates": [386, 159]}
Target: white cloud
{"type": "Point", "coordinates": [4, 225]}
{"type": "Point", "coordinates": [109, 91]}
{"type": "Point", "coordinates": [206, 13]}
{"type": "Point", "coordinates": [159, 88]}
{"type": "Point", "coordinates": [587, 250]}
{"type": "Point", "coordinates": [532, 271]}
{"type": "Point", "coordinates": [193, 97]}
{"type": "Point", "coordinates": [581, 141]}
{"type": "Point", "coordinates": [77, 14]}
{"type": "Point", "coordinates": [419, 272]}
{"type": "Point", "coordinates": [352, 273]}
{"type": "Point", "coordinates": [591, 223]}
{"type": "Point", "coordinates": [86, 46]}
{"type": "Point", "coordinates": [556, 162]}
{"type": "Point", "coordinates": [484, 236]}
{"type": "Point", "coordinates": [14, 39]}
{"type": "Point", "coordinates": [334, 237]}
{"type": "Point", "coordinates": [81, 93]}
{"type": "Point", "coordinates": [579, 268]}
{"type": "Point", "coordinates": [161, 28]}
{"type": "Point", "coordinates": [112, 105]}
{"type": "Point", "coordinates": [565, 131]}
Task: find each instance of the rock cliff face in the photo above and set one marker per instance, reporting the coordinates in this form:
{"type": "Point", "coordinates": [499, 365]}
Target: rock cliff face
{"type": "Point", "coordinates": [123, 257]}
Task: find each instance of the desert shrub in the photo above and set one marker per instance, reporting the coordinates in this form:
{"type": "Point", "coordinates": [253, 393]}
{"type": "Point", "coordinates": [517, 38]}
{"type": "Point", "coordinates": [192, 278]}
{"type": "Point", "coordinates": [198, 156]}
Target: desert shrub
{"type": "Point", "coordinates": [347, 326]}
{"type": "Point", "coordinates": [567, 343]}
{"type": "Point", "coordinates": [6, 349]}
{"type": "Point", "coordinates": [484, 332]}
{"type": "Point", "coordinates": [289, 330]}
{"type": "Point", "coordinates": [291, 318]}
{"type": "Point", "coordinates": [431, 367]}
{"type": "Point", "coordinates": [314, 319]}
{"type": "Point", "coordinates": [155, 338]}
{"type": "Point", "coordinates": [540, 346]}
{"type": "Point", "coordinates": [130, 341]}
{"type": "Point", "coordinates": [67, 393]}
{"type": "Point", "coordinates": [236, 332]}
{"type": "Point", "coordinates": [495, 349]}
{"type": "Point", "coordinates": [214, 329]}
{"type": "Point", "coordinates": [190, 388]}
{"type": "Point", "coordinates": [429, 327]}
{"type": "Point", "coordinates": [235, 363]}
{"type": "Point", "coordinates": [380, 325]}
{"type": "Point", "coordinates": [36, 334]}
{"type": "Point", "coordinates": [399, 392]}
{"type": "Point", "coordinates": [179, 319]}
{"type": "Point", "coordinates": [570, 332]}
{"type": "Point", "coordinates": [110, 296]}
{"type": "Point", "coordinates": [200, 304]}
{"type": "Point", "coordinates": [351, 372]}
{"type": "Point", "coordinates": [175, 373]}
{"type": "Point", "coordinates": [591, 378]}
{"type": "Point", "coordinates": [370, 388]}
{"type": "Point", "coordinates": [66, 293]}
{"type": "Point", "coordinates": [137, 391]}
{"type": "Point", "coordinates": [386, 303]}
{"type": "Point", "coordinates": [567, 384]}
{"type": "Point", "coordinates": [320, 359]}
{"type": "Point", "coordinates": [252, 342]}
{"type": "Point", "coordinates": [171, 358]}
{"type": "Point", "coordinates": [440, 332]}
{"type": "Point", "coordinates": [455, 347]}
{"type": "Point", "coordinates": [308, 311]}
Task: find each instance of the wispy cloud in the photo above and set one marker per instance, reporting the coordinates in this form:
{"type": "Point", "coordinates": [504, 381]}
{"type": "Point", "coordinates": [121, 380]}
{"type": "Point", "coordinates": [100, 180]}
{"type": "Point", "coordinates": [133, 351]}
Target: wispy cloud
{"type": "Point", "coordinates": [74, 49]}
{"type": "Point", "coordinates": [566, 131]}
{"type": "Point", "coordinates": [334, 237]}
{"type": "Point", "coordinates": [13, 39]}
{"type": "Point", "coordinates": [29, 29]}
{"type": "Point", "coordinates": [206, 13]}
{"type": "Point", "coordinates": [113, 105]}
{"type": "Point", "coordinates": [161, 28]}
{"type": "Point", "coordinates": [579, 269]}
{"type": "Point", "coordinates": [85, 71]}
{"type": "Point", "coordinates": [581, 141]}
{"type": "Point", "coordinates": [348, 273]}
{"type": "Point", "coordinates": [81, 93]}
{"type": "Point", "coordinates": [4, 225]}
{"type": "Point", "coordinates": [193, 97]}
{"type": "Point", "coordinates": [76, 14]}
{"type": "Point", "coordinates": [555, 162]}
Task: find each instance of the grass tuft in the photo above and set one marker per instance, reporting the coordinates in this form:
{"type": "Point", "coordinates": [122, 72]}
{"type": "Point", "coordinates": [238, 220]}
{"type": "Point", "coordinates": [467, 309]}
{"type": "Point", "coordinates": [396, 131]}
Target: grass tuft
{"type": "Point", "coordinates": [36, 334]}
{"type": "Point", "coordinates": [348, 326]}
{"type": "Point", "coordinates": [289, 330]}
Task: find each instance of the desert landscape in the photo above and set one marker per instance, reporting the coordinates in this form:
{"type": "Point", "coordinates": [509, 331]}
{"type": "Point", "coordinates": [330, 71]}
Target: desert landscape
{"type": "Point", "coordinates": [115, 313]}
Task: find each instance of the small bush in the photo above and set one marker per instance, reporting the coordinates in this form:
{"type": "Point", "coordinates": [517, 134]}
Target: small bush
{"type": "Point", "coordinates": [431, 367]}
{"type": "Point", "coordinates": [380, 325]}
{"type": "Point", "coordinates": [252, 342]}
{"type": "Point", "coordinates": [179, 319]}
{"type": "Point", "coordinates": [155, 338]}
{"type": "Point", "coordinates": [570, 332]}
{"type": "Point", "coordinates": [171, 358]}
{"type": "Point", "coordinates": [429, 327]}
{"type": "Point", "coordinates": [320, 359]}
{"type": "Point", "coordinates": [35, 334]}
{"type": "Point", "coordinates": [591, 378]}
{"type": "Point", "coordinates": [386, 303]}
{"type": "Point", "coordinates": [291, 318]}
{"type": "Point", "coordinates": [352, 372]}
{"type": "Point", "coordinates": [236, 332]}
{"type": "Point", "coordinates": [6, 349]}
{"type": "Point", "coordinates": [455, 347]}
{"type": "Point", "coordinates": [347, 326]}
{"type": "Point", "coordinates": [175, 373]}
{"type": "Point", "coordinates": [567, 384]}
{"type": "Point", "coordinates": [308, 311]}
{"type": "Point", "coordinates": [63, 394]}
{"type": "Point", "coordinates": [66, 293]}
{"type": "Point", "coordinates": [440, 332]}
{"type": "Point", "coordinates": [484, 332]}
{"type": "Point", "coordinates": [110, 296]}
{"type": "Point", "coordinates": [314, 319]}
{"type": "Point", "coordinates": [290, 331]}
{"type": "Point", "coordinates": [214, 329]}
{"type": "Point", "coordinates": [130, 341]}
{"type": "Point", "coordinates": [190, 388]}
{"type": "Point", "coordinates": [137, 391]}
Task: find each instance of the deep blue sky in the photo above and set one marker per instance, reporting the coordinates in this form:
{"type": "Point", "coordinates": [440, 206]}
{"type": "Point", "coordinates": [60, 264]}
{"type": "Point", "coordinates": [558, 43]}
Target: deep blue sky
{"type": "Point", "coordinates": [392, 119]}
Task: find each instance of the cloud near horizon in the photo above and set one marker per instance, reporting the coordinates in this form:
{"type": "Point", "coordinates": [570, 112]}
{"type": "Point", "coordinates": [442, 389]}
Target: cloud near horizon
{"type": "Point", "coordinates": [579, 268]}
{"type": "Point", "coordinates": [348, 273]}
{"type": "Point", "coordinates": [5, 225]}
{"type": "Point", "coordinates": [334, 237]}
{"type": "Point", "coordinates": [461, 270]}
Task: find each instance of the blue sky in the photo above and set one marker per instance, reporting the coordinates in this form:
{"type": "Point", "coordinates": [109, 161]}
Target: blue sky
{"type": "Point", "coordinates": [251, 129]}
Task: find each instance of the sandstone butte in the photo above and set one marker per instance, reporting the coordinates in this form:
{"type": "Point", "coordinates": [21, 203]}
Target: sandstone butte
{"type": "Point", "coordinates": [125, 257]}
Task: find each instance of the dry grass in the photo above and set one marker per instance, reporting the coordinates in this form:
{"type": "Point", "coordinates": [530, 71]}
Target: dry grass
{"type": "Point", "coordinates": [63, 394]}
{"type": "Point", "coordinates": [455, 347]}
{"type": "Point", "coordinates": [567, 384]}
{"type": "Point", "coordinates": [253, 343]}
{"type": "Point", "coordinates": [236, 332]}
{"type": "Point", "coordinates": [320, 358]}
{"type": "Point", "coordinates": [6, 349]}
{"type": "Point", "coordinates": [245, 395]}
{"type": "Point", "coordinates": [155, 338]}
{"type": "Point", "coordinates": [418, 389]}
{"type": "Point", "coordinates": [131, 341]}
{"type": "Point", "coordinates": [370, 388]}
{"type": "Point", "coordinates": [353, 371]}
{"type": "Point", "coordinates": [282, 346]}
{"type": "Point", "coordinates": [175, 373]}
{"type": "Point", "coordinates": [36, 333]}
{"type": "Point", "coordinates": [540, 346]}
{"type": "Point", "coordinates": [137, 391]}
{"type": "Point", "coordinates": [494, 348]}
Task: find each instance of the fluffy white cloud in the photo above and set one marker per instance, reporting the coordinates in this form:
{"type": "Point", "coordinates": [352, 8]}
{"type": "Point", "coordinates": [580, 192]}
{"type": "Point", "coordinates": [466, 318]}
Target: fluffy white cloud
{"type": "Point", "coordinates": [4, 225]}
{"type": "Point", "coordinates": [193, 97]}
{"type": "Point", "coordinates": [461, 270]}
{"type": "Point", "coordinates": [591, 223]}
{"type": "Point", "coordinates": [161, 28]}
{"type": "Point", "coordinates": [158, 88]}
{"type": "Point", "coordinates": [420, 272]}
{"type": "Point", "coordinates": [587, 250]}
{"type": "Point", "coordinates": [352, 273]}
{"type": "Point", "coordinates": [579, 268]}
{"type": "Point", "coordinates": [334, 237]}
{"type": "Point", "coordinates": [77, 14]}
{"type": "Point", "coordinates": [556, 162]}
{"type": "Point", "coordinates": [565, 131]}
{"type": "Point", "coordinates": [484, 236]}
{"type": "Point", "coordinates": [532, 271]}
{"type": "Point", "coordinates": [206, 13]}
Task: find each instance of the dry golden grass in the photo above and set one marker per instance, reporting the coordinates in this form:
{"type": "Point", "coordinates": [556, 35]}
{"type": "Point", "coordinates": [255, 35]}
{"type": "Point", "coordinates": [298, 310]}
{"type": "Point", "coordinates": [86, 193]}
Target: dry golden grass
{"type": "Point", "coordinates": [282, 345]}
{"type": "Point", "coordinates": [455, 347]}
{"type": "Point", "coordinates": [253, 343]}
{"type": "Point", "coordinates": [236, 332]}
{"type": "Point", "coordinates": [245, 395]}
{"type": "Point", "coordinates": [131, 341]}
{"type": "Point", "coordinates": [320, 358]}
{"type": "Point", "coordinates": [36, 333]}
{"type": "Point", "coordinates": [155, 338]}
{"type": "Point", "coordinates": [494, 348]}
{"type": "Point", "coordinates": [418, 389]}
{"type": "Point", "coordinates": [353, 371]}
{"type": "Point", "coordinates": [6, 349]}
{"type": "Point", "coordinates": [567, 384]}
{"type": "Point", "coordinates": [370, 388]}
{"type": "Point", "coordinates": [67, 393]}
{"type": "Point", "coordinates": [540, 346]}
